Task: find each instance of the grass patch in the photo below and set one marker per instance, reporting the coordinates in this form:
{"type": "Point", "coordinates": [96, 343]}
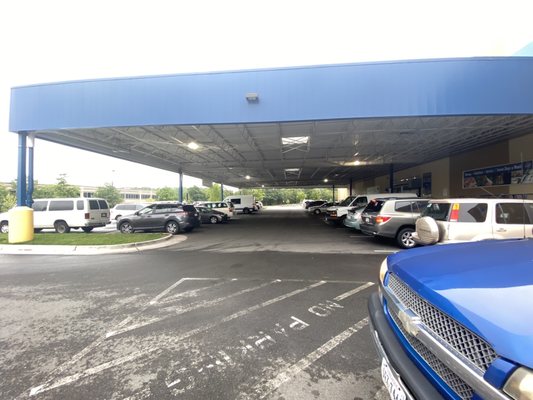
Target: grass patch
{"type": "Point", "coordinates": [86, 239]}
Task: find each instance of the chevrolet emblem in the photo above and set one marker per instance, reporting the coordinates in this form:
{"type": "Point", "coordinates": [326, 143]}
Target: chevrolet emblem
{"type": "Point", "coordinates": [409, 321]}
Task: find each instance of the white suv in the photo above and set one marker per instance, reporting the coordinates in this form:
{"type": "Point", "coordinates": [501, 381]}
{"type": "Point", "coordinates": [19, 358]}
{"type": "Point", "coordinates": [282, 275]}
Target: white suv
{"type": "Point", "coordinates": [460, 220]}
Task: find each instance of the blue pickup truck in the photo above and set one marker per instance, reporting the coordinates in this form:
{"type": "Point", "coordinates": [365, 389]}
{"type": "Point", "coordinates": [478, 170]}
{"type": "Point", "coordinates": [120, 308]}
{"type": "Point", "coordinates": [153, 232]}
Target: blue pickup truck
{"type": "Point", "coordinates": [456, 321]}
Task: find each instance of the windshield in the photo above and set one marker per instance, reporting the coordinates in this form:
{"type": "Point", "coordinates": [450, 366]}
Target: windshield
{"type": "Point", "coordinates": [346, 202]}
{"type": "Point", "coordinates": [437, 211]}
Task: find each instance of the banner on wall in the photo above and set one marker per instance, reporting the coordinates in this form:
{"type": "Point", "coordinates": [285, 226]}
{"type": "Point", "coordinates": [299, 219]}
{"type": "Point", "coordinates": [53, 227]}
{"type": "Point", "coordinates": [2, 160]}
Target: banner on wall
{"type": "Point", "coordinates": [498, 175]}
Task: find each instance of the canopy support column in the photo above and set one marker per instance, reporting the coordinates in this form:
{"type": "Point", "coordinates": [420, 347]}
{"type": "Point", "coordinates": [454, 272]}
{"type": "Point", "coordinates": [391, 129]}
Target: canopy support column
{"type": "Point", "coordinates": [180, 189]}
{"type": "Point", "coordinates": [391, 178]}
{"type": "Point", "coordinates": [221, 192]}
{"type": "Point", "coordinates": [31, 145]}
{"type": "Point", "coordinates": [21, 176]}
{"type": "Point", "coordinates": [333, 192]}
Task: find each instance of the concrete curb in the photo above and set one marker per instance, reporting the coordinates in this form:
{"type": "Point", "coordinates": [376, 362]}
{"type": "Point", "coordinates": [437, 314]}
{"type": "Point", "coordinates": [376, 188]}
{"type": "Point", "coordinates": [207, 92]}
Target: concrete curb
{"type": "Point", "coordinates": [166, 241]}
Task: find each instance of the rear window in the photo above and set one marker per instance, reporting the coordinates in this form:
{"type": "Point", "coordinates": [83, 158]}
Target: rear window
{"type": "Point", "coordinates": [403, 206]}
{"type": "Point", "coordinates": [472, 212]}
{"type": "Point", "coordinates": [93, 205]}
{"type": "Point", "coordinates": [61, 205]}
{"type": "Point", "coordinates": [514, 213]}
{"type": "Point", "coordinates": [103, 204]}
{"type": "Point", "coordinates": [437, 211]}
{"type": "Point", "coordinates": [374, 206]}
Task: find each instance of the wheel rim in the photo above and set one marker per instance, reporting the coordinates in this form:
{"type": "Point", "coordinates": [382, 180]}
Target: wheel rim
{"type": "Point", "coordinates": [407, 239]}
{"type": "Point", "coordinates": [213, 220]}
{"type": "Point", "coordinates": [172, 227]}
{"type": "Point", "coordinates": [126, 228]}
{"type": "Point", "coordinates": [317, 212]}
{"type": "Point", "coordinates": [61, 228]}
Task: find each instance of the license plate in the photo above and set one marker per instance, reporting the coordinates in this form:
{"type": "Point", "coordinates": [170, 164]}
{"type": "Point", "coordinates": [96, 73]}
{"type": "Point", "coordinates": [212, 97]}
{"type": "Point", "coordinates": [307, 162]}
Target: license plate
{"type": "Point", "coordinates": [104, 215]}
{"type": "Point", "coordinates": [391, 383]}
{"type": "Point", "coordinates": [367, 219]}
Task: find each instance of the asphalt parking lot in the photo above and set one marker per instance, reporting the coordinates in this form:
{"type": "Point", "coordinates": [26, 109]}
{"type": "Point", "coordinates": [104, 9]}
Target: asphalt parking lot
{"type": "Point", "coordinates": [267, 306]}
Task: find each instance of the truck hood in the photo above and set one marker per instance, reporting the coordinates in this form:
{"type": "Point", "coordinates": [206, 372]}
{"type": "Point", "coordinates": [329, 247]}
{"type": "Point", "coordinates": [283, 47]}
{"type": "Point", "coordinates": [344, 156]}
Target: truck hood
{"type": "Point", "coordinates": [487, 286]}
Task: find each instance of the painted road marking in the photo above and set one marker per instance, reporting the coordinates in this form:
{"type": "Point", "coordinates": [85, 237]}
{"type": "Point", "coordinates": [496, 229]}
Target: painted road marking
{"type": "Point", "coordinates": [177, 310]}
{"type": "Point", "coordinates": [352, 292]}
{"type": "Point", "coordinates": [167, 290]}
{"type": "Point", "coordinates": [149, 350]}
{"type": "Point", "coordinates": [289, 373]}
{"type": "Point", "coordinates": [386, 251]}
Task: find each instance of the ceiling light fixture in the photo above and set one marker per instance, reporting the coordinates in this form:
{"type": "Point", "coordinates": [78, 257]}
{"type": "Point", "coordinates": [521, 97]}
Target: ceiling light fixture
{"type": "Point", "coordinates": [247, 177]}
{"type": "Point", "coordinates": [326, 180]}
{"type": "Point", "coordinates": [357, 162]}
{"type": "Point", "coordinates": [252, 97]}
{"type": "Point", "coordinates": [193, 146]}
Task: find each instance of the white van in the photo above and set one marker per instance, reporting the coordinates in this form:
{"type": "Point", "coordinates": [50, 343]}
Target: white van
{"type": "Point", "coordinates": [338, 213]}
{"type": "Point", "coordinates": [242, 203]}
{"type": "Point", "coordinates": [225, 207]}
{"type": "Point", "coordinates": [65, 213]}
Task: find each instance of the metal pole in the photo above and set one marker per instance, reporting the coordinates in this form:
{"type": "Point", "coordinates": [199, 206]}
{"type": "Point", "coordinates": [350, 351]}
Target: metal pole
{"type": "Point", "coordinates": [21, 178]}
{"type": "Point", "coordinates": [391, 178]}
{"type": "Point", "coordinates": [333, 190]}
{"type": "Point", "coordinates": [29, 195]}
{"type": "Point", "coordinates": [180, 190]}
{"type": "Point", "coordinates": [351, 186]}
{"type": "Point", "coordinates": [221, 192]}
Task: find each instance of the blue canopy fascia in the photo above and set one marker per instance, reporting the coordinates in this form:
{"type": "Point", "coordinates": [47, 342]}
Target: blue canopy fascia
{"type": "Point", "coordinates": [443, 87]}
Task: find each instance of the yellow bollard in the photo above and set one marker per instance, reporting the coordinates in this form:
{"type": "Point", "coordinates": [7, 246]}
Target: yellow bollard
{"type": "Point", "coordinates": [20, 225]}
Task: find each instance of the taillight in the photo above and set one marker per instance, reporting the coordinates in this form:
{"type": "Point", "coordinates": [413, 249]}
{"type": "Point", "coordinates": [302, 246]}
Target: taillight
{"type": "Point", "coordinates": [87, 216]}
{"type": "Point", "coordinates": [454, 215]}
{"type": "Point", "coordinates": [381, 219]}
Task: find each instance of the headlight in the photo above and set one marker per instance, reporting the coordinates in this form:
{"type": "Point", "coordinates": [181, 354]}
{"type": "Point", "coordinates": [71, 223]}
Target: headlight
{"type": "Point", "coordinates": [383, 270]}
{"type": "Point", "coordinates": [520, 384]}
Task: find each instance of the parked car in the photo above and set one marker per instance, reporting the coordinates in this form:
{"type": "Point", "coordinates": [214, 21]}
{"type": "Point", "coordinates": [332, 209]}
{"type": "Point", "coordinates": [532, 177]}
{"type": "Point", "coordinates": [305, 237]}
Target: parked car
{"type": "Point", "coordinates": [172, 217]}
{"type": "Point", "coordinates": [226, 208]}
{"type": "Point", "coordinates": [459, 220]}
{"type": "Point", "coordinates": [312, 203]}
{"type": "Point", "coordinates": [211, 216]}
{"type": "Point", "coordinates": [124, 209]}
{"type": "Point", "coordinates": [64, 214]}
{"type": "Point", "coordinates": [244, 203]}
{"type": "Point", "coordinates": [319, 208]}
{"type": "Point", "coordinates": [392, 218]}
{"type": "Point", "coordinates": [353, 218]}
{"type": "Point", "coordinates": [454, 321]}
{"type": "Point", "coordinates": [4, 222]}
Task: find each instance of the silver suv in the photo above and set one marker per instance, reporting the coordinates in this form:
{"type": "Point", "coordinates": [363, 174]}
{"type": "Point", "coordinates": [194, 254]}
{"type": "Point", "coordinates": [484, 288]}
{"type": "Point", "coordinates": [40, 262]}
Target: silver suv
{"type": "Point", "coordinates": [460, 220]}
{"type": "Point", "coordinates": [392, 218]}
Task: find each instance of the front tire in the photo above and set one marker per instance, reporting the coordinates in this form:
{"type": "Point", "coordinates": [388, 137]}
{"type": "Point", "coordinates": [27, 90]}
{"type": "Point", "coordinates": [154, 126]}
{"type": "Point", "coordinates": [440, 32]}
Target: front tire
{"type": "Point", "coordinates": [316, 212]}
{"type": "Point", "coordinates": [404, 238]}
{"type": "Point", "coordinates": [4, 227]}
{"type": "Point", "coordinates": [246, 211]}
{"type": "Point", "coordinates": [61, 227]}
{"type": "Point", "coordinates": [87, 229]}
{"type": "Point", "coordinates": [213, 220]}
{"type": "Point", "coordinates": [172, 227]}
{"type": "Point", "coordinates": [125, 227]}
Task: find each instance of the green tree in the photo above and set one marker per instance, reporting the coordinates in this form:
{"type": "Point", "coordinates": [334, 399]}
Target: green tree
{"type": "Point", "coordinates": [7, 199]}
{"type": "Point", "coordinates": [43, 191]}
{"type": "Point", "coordinates": [166, 193]}
{"type": "Point", "coordinates": [196, 193]}
{"type": "Point", "coordinates": [110, 193]}
{"type": "Point", "coordinates": [213, 193]}
{"type": "Point", "coordinates": [63, 189]}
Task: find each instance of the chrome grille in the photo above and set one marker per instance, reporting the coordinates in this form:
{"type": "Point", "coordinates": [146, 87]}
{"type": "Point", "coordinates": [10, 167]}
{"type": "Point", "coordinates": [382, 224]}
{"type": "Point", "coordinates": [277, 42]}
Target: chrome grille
{"type": "Point", "coordinates": [467, 343]}
{"type": "Point", "coordinates": [462, 389]}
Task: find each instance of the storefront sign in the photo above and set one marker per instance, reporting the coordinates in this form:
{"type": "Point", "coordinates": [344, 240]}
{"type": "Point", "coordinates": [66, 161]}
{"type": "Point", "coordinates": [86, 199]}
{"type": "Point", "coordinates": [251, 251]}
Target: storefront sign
{"type": "Point", "coordinates": [506, 174]}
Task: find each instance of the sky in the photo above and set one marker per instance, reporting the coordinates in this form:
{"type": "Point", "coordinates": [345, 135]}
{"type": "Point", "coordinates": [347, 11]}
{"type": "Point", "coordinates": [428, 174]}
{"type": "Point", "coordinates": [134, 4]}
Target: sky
{"type": "Point", "coordinates": [53, 40]}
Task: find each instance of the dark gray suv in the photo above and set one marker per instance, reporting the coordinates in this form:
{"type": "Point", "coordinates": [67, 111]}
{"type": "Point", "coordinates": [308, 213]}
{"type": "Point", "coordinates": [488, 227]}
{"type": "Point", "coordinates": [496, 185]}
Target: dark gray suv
{"type": "Point", "coordinates": [393, 218]}
{"type": "Point", "coordinates": [172, 217]}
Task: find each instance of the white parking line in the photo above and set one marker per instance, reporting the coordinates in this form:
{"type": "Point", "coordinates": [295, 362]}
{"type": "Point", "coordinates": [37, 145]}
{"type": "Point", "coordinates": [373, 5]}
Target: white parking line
{"type": "Point", "coordinates": [352, 292]}
{"type": "Point", "coordinates": [263, 390]}
{"type": "Point", "coordinates": [386, 251]}
{"type": "Point", "coordinates": [175, 341]}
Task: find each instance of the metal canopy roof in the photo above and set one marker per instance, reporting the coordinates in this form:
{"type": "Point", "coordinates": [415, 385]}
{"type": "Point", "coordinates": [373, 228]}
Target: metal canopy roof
{"type": "Point", "coordinates": [306, 125]}
{"type": "Point", "coordinates": [336, 150]}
